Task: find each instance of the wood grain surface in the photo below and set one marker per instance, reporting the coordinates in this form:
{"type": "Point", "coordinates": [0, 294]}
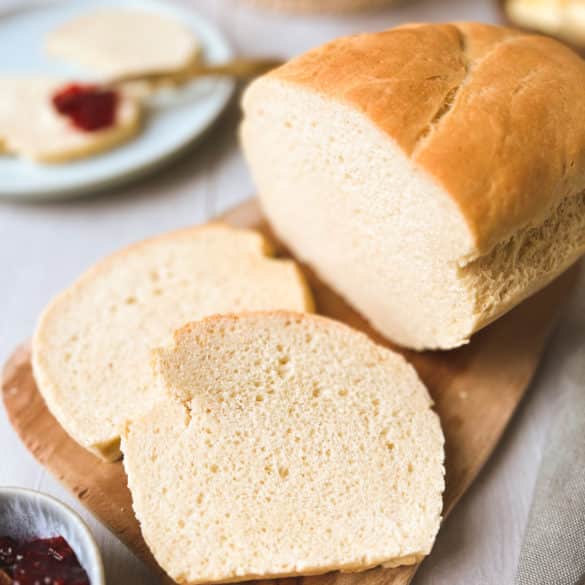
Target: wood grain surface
{"type": "Point", "coordinates": [475, 388]}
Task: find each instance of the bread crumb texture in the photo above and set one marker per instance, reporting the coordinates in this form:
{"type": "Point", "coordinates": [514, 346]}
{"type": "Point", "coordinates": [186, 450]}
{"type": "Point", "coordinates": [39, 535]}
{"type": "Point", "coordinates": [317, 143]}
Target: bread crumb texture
{"type": "Point", "coordinates": [91, 348]}
{"type": "Point", "coordinates": [292, 445]}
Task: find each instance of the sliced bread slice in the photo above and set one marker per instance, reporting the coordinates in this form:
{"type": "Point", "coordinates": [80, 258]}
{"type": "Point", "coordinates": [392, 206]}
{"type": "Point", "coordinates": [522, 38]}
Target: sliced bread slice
{"type": "Point", "coordinates": [91, 349]}
{"type": "Point", "coordinates": [292, 445]}
{"type": "Point", "coordinates": [31, 127]}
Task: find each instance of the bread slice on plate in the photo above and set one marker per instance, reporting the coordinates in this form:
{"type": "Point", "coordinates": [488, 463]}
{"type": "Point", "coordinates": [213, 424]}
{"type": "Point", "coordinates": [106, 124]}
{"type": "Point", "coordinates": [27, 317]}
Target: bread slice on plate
{"type": "Point", "coordinates": [433, 174]}
{"type": "Point", "coordinates": [290, 445]}
{"type": "Point", "coordinates": [561, 18]}
{"type": "Point", "coordinates": [31, 127]}
{"type": "Point", "coordinates": [91, 349]}
{"type": "Point", "coordinates": [115, 42]}
{"type": "Point", "coordinates": [322, 6]}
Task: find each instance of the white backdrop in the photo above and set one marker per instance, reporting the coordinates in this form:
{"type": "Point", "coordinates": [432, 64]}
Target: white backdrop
{"type": "Point", "coordinates": [44, 247]}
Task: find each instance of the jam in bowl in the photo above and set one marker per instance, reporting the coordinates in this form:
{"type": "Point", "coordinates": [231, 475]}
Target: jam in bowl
{"type": "Point", "coordinates": [50, 561]}
{"type": "Point", "coordinates": [44, 541]}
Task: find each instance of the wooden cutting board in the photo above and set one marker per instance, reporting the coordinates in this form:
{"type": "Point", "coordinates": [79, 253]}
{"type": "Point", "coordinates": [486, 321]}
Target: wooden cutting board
{"type": "Point", "coordinates": [476, 390]}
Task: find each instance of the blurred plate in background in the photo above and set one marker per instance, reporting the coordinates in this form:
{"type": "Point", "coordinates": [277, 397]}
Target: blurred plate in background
{"type": "Point", "coordinates": [173, 120]}
{"type": "Point", "coordinates": [560, 19]}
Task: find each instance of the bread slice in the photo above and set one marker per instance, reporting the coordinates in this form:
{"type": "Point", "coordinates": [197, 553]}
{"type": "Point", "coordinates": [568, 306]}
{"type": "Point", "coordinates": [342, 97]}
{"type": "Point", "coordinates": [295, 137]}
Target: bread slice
{"type": "Point", "coordinates": [322, 6]}
{"type": "Point", "coordinates": [432, 174]}
{"type": "Point", "coordinates": [31, 127]}
{"type": "Point", "coordinates": [292, 445]}
{"type": "Point", "coordinates": [91, 349]}
{"type": "Point", "coordinates": [116, 42]}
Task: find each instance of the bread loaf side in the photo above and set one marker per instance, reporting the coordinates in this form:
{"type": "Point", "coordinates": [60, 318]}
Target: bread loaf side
{"type": "Point", "coordinates": [434, 175]}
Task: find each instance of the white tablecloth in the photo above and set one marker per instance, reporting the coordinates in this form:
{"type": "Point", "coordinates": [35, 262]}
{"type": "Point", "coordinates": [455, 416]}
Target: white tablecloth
{"type": "Point", "coordinates": [44, 247]}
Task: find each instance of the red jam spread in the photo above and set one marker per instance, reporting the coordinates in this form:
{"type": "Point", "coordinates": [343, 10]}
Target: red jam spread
{"type": "Point", "coordinates": [88, 107]}
{"type": "Point", "coordinates": [43, 561]}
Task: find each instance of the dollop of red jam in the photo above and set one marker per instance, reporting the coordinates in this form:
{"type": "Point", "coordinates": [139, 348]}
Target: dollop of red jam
{"type": "Point", "coordinates": [89, 107]}
{"type": "Point", "coordinates": [43, 561]}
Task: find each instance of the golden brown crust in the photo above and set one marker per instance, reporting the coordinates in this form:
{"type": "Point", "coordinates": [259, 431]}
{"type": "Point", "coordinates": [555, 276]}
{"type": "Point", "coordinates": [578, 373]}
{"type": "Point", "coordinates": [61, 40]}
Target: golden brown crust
{"type": "Point", "coordinates": [494, 115]}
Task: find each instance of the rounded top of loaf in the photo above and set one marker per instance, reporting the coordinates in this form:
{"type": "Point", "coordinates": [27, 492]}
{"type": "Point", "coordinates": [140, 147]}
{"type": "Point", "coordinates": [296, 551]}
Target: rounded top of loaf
{"type": "Point", "coordinates": [495, 116]}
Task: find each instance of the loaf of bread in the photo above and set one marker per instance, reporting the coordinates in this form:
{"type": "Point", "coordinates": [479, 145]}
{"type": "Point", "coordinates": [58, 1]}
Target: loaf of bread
{"type": "Point", "coordinates": [91, 349]}
{"type": "Point", "coordinates": [290, 445]}
{"type": "Point", "coordinates": [433, 174]}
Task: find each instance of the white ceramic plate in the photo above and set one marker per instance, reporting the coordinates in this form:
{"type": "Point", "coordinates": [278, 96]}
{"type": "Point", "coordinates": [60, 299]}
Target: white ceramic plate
{"type": "Point", "coordinates": [172, 122]}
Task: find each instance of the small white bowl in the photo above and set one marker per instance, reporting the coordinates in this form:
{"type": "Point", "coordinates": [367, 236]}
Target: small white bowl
{"type": "Point", "coordinates": [28, 514]}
